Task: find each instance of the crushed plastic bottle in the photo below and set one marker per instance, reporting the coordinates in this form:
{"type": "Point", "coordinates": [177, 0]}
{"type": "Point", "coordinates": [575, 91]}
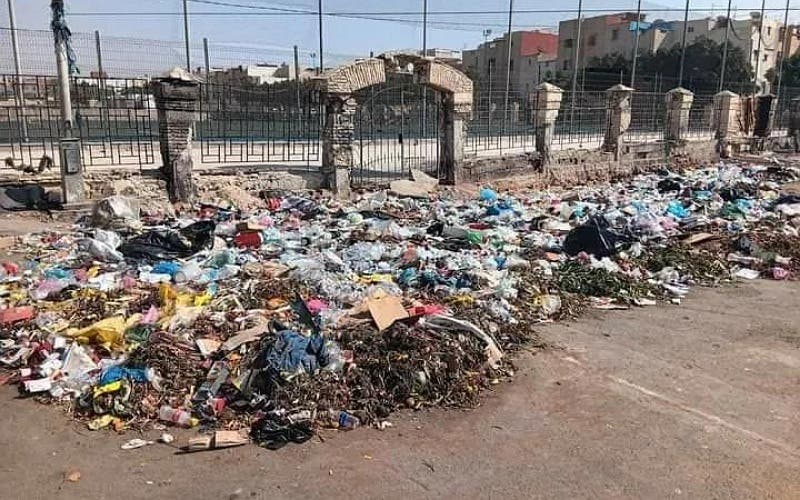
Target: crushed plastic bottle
{"type": "Point", "coordinates": [181, 418]}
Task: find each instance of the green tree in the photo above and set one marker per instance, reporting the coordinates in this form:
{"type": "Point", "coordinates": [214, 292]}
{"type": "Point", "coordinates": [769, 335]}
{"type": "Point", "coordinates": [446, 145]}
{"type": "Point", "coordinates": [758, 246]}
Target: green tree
{"type": "Point", "coordinates": [703, 64]}
{"type": "Point", "coordinates": [791, 72]}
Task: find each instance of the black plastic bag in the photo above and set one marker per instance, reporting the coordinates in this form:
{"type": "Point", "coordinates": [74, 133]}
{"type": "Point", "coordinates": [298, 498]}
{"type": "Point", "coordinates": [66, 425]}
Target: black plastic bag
{"type": "Point", "coordinates": [668, 185]}
{"type": "Point", "coordinates": [169, 244]}
{"type": "Point", "coordinates": [274, 432]}
{"type": "Point", "coordinates": [594, 238]}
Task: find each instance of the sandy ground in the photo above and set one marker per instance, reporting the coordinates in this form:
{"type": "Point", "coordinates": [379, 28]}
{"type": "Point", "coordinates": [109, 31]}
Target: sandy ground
{"type": "Point", "coordinates": [696, 401]}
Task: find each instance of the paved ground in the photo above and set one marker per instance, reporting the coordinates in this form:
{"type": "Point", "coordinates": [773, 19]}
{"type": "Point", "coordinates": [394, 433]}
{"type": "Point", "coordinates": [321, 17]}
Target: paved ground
{"type": "Point", "coordinates": [697, 401]}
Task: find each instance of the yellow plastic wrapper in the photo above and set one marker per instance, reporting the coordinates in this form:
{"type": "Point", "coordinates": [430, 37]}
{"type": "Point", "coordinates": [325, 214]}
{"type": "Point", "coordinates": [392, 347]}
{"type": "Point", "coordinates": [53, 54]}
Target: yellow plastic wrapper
{"type": "Point", "coordinates": [107, 332]}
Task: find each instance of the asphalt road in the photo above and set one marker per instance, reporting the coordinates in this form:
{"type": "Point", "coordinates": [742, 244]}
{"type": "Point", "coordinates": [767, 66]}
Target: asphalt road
{"type": "Point", "coordinates": [695, 401]}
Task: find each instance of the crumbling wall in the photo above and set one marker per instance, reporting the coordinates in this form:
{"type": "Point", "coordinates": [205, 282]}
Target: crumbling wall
{"type": "Point", "coordinates": [577, 166]}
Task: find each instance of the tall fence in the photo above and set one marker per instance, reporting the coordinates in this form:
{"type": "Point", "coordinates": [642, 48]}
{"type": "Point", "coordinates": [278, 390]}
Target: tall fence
{"type": "Point", "coordinates": [127, 57]}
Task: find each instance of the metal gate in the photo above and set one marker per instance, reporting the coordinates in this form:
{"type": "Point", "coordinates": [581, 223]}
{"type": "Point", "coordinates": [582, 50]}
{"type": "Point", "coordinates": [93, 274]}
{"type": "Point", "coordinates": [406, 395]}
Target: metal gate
{"type": "Point", "coordinates": [396, 130]}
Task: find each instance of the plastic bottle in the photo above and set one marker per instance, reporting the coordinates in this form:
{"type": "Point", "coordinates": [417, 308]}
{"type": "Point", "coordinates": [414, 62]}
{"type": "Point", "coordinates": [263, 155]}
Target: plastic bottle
{"type": "Point", "coordinates": [177, 416]}
{"type": "Point", "coordinates": [347, 421]}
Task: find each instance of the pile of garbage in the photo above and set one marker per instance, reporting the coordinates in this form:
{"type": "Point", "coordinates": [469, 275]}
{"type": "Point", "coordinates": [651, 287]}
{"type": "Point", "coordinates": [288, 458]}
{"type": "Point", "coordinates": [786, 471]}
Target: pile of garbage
{"type": "Point", "coordinates": [317, 313]}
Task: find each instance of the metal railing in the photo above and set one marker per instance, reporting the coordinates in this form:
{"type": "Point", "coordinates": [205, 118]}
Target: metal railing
{"type": "Point", "coordinates": [264, 124]}
{"type": "Point", "coordinates": [115, 119]}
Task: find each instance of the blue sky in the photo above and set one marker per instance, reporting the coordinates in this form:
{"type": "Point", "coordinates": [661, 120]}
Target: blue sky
{"type": "Point", "coordinates": [343, 37]}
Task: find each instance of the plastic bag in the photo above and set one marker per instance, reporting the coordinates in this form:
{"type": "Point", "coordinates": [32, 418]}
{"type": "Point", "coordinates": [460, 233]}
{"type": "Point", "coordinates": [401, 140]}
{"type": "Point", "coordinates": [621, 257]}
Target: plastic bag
{"type": "Point", "coordinates": [170, 244]}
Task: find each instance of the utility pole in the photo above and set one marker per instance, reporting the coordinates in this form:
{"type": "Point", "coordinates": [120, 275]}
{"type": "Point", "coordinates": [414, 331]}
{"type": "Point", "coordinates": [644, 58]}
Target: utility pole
{"type": "Point", "coordinates": [683, 43]}
{"type": "Point", "coordinates": [636, 43]}
{"type": "Point", "coordinates": [321, 59]}
{"type": "Point", "coordinates": [508, 72]}
{"type": "Point", "coordinates": [725, 47]}
{"type": "Point", "coordinates": [207, 61]}
{"type": "Point", "coordinates": [18, 91]}
{"type": "Point", "coordinates": [760, 38]}
{"type": "Point", "coordinates": [69, 146]}
{"type": "Point", "coordinates": [186, 35]}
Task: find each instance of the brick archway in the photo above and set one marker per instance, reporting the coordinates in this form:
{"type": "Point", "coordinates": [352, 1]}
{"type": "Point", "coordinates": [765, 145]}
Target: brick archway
{"type": "Point", "coordinates": [338, 86]}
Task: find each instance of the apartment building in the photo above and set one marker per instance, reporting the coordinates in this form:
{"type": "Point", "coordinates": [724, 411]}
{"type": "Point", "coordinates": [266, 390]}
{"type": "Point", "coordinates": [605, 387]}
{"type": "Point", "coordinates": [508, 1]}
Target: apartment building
{"type": "Point", "coordinates": [533, 54]}
{"type": "Point", "coordinates": [616, 33]}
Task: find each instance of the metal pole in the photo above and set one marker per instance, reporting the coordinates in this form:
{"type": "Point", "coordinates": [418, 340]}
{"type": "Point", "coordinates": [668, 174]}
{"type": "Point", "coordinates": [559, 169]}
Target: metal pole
{"type": "Point", "coordinates": [683, 43]}
{"type": "Point", "coordinates": [636, 44]}
{"type": "Point", "coordinates": [321, 58]}
{"type": "Point", "coordinates": [787, 36]}
{"type": "Point", "coordinates": [577, 53]}
{"type": "Point", "coordinates": [423, 124]}
{"type": "Point", "coordinates": [99, 52]}
{"type": "Point", "coordinates": [186, 35]}
{"type": "Point", "coordinates": [508, 71]}
{"type": "Point", "coordinates": [725, 47]}
{"type": "Point", "coordinates": [760, 37]}
{"type": "Point", "coordinates": [206, 60]}
{"type": "Point", "coordinates": [297, 80]}
{"type": "Point", "coordinates": [18, 91]}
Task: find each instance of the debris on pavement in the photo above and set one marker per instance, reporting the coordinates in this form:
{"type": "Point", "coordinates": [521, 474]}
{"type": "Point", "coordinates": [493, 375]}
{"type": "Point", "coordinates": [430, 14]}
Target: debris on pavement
{"type": "Point", "coordinates": [271, 321]}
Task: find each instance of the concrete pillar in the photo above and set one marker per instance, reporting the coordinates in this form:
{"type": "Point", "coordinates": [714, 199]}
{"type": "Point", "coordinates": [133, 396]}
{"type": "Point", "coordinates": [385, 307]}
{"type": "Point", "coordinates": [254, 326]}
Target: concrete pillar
{"type": "Point", "coordinates": [177, 99]}
{"type": "Point", "coordinates": [546, 104]}
{"type": "Point", "coordinates": [455, 115]}
{"type": "Point", "coordinates": [679, 103]}
{"type": "Point", "coordinates": [794, 123]}
{"type": "Point", "coordinates": [337, 142]}
{"type": "Point", "coordinates": [618, 117]}
{"type": "Point", "coordinates": [726, 119]}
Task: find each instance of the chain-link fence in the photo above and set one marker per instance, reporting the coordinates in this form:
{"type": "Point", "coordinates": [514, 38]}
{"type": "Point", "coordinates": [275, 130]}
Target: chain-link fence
{"type": "Point", "coordinates": [123, 57]}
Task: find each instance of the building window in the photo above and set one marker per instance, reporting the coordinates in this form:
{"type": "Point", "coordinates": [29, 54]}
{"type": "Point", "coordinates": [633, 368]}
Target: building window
{"type": "Point", "coordinates": [766, 57]}
{"type": "Point", "coordinates": [592, 40]}
{"type": "Point", "coordinates": [614, 34]}
{"type": "Point", "coordinates": [566, 64]}
{"type": "Point", "coordinates": [769, 30]}
{"type": "Point", "coordinates": [511, 65]}
{"type": "Point", "coordinates": [690, 29]}
{"type": "Point", "coordinates": [781, 34]}
{"type": "Point", "coordinates": [568, 43]}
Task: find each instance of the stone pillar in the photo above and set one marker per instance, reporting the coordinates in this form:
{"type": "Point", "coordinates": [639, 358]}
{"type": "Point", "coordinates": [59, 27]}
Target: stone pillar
{"type": "Point", "coordinates": [453, 133]}
{"type": "Point", "coordinates": [546, 104]}
{"type": "Point", "coordinates": [726, 119]}
{"type": "Point", "coordinates": [618, 117]}
{"type": "Point", "coordinates": [794, 123]}
{"type": "Point", "coordinates": [177, 98]}
{"type": "Point", "coordinates": [337, 142]}
{"type": "Point", "coordinates": [679, 103]}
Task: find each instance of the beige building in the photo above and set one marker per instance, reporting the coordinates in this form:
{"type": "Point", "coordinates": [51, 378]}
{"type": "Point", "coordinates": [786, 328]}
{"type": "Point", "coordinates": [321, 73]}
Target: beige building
{"type": "Point", "coordinates": [533, 54]}
{"type": "Point", "coordinates": [616, 33]}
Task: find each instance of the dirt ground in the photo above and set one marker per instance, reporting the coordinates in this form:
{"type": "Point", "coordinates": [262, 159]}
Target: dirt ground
{"type": "Point", "coordinates": [695, 401]}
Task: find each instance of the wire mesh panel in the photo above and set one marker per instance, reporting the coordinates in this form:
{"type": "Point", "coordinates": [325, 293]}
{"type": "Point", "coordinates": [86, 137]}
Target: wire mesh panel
{"type": "Point", "coordinates": [259, 124]}
{"type": "Point", "coordinates": [581, 122]}
{"type": "Point", "coordinates": [396, 130]}
{"type": "Point", "coordinates": [648, 117]}
{"type": "Point", "coordinates": [701, 115]}
{"type": "Point", "coordinates": [495, 127]}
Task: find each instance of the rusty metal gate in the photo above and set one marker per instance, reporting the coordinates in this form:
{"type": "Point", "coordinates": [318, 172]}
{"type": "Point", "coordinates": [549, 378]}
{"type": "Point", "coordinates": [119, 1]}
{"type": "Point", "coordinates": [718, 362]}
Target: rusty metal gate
{"type": "Point", "coordinates": [396, 130]}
